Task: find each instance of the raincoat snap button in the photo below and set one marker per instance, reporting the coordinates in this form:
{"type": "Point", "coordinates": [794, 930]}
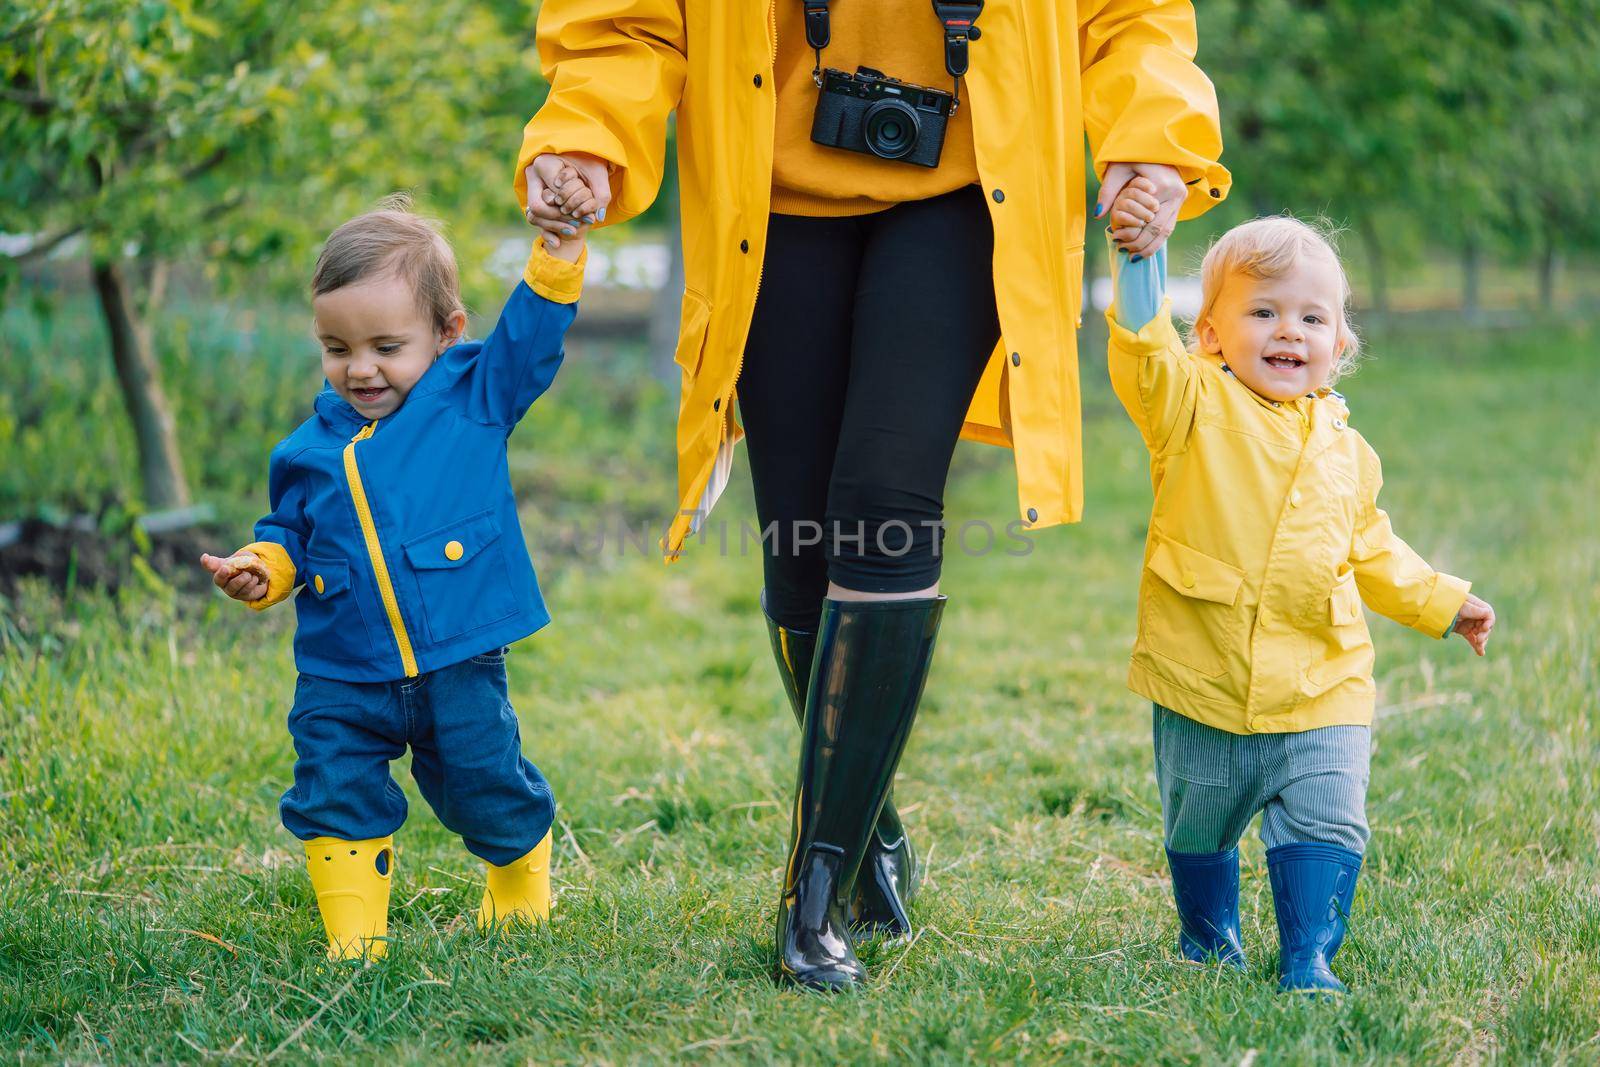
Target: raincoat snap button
{"type": "Point", "coordinates": [1294, 498]}
{"type": "Point", "coordinates": [716, 405]}
{"type": "Point", "coordinates": [1217, 193]}
{"type": "Point", "coordinates": [317, 581]}
{"type": "Point", "coordinates": [453, 550]}
{"type": "Point", "coordinates": [744, 246]}
{"type": "Point", "coordinates": [1188, 579]}
{"type": "Point", "coordinates": [1016, 359]}
{"type": "Point", "coordinates": [758, 81]}
{"type": "Point", "coordinates": [1338, 424]}
{"type": "Point", "coordinates": [1033, 514]}
{"type": "Point", "coordinates": [999, 196]}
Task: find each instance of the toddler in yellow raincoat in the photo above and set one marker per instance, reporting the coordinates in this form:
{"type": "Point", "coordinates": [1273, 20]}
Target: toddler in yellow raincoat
{"type": "Point", "coordinates": [1264, 541]}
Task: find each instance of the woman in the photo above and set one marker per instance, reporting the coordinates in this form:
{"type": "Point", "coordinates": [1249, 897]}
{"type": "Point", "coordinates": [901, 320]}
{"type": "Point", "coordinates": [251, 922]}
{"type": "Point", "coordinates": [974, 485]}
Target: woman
{"type": "Point", "coordinates": [854, 299]}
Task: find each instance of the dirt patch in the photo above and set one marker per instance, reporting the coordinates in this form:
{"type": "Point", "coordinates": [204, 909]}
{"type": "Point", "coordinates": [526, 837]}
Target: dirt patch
{"type": "Point", "coordinates": [71, 558]}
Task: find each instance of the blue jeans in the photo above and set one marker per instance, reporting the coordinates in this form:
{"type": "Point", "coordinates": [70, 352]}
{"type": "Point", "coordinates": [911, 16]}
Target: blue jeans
{"type": "Point", "coordinates": [466, 755]}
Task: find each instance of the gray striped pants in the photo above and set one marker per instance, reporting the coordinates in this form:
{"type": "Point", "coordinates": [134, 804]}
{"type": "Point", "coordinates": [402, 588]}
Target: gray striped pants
{"type": "Point", "coordinates": [1308, 786]}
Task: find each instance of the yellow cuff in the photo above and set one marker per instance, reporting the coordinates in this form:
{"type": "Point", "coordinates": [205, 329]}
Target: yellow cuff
{"type": "Point", "coordinates": [280, 573]}
{"type": "Point", "coordinates": [555, 279]}
{"type": "Point", "coordinates": [1449, 593]}
{"type": "Point", "coordinates": [1205, 192]}
{"type": "Point", "coordinates": [1155, 337]}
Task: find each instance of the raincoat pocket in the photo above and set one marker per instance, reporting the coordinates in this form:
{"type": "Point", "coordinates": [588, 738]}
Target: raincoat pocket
{"type": "Point", "coordinates": [1189, 613]}
{"type": "Point", "coordinates": [328, 613]}
{"type": "Point", "coordinates": [462, 576]}
{"type": "Point", "coordinates": [692, 326]}
{"type": "Point", "coordinates": [1345, 602]}
{"type": "Point", "coordinates": [1341, 647]}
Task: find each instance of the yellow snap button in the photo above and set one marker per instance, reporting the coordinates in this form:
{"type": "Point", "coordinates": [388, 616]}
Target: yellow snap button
{"type": "Point", "coordinates": [453, 550]}
{"type": "Point", "coordinates": [317, 581]}
{"type": "Point", "coordinates": [1188, 579]}
{"type": "Point", "coordinates": [1294, 499]}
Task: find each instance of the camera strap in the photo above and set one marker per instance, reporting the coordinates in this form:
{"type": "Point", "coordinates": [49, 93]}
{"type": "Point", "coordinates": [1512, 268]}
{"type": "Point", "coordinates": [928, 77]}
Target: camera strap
{"type": "Point", "coordinates": [958, 20]}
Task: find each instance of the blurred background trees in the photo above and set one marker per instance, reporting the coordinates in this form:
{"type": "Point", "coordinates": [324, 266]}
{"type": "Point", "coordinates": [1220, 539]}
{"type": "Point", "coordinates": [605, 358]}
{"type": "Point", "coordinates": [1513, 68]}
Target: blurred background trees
{"type": "Point", "coordinates": [209, 147]}
{"type": "Point", "coordinates": [225, 138]}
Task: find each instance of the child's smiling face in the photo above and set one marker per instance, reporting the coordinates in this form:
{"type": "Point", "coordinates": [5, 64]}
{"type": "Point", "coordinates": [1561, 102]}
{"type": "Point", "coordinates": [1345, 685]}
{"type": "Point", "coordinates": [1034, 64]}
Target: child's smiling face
{"type": "Point", "coordinates": [377, 341]}
{"type": "Point", "coordinates": [1280, 336]}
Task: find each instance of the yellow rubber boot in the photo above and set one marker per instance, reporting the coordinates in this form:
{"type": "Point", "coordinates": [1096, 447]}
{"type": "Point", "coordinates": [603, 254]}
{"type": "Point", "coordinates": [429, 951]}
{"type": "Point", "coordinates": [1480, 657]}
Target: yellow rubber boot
{"type": "Point", "coordinates": [520, 889]}
{"type": "Point", "coordinates": [351, 879]}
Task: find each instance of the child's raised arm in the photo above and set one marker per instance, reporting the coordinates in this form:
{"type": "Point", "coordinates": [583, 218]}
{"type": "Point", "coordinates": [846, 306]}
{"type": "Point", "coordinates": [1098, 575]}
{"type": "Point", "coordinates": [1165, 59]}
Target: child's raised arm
{"type": "Point", "coordinates": [1139, 282]}
{"type": "Point", "coordinates": [504, 374]}
{"type": "Point", "coordinates": [1151, 372]}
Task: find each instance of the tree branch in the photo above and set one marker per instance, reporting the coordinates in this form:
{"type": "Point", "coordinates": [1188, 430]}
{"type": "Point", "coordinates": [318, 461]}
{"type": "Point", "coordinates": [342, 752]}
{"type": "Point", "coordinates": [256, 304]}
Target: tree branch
{"type": "Point", "coordinates": [43, 247]}
{"type": "Point", "coordinates": [36, 103]}
{"type": "Point", "coordinates": [211, 162]}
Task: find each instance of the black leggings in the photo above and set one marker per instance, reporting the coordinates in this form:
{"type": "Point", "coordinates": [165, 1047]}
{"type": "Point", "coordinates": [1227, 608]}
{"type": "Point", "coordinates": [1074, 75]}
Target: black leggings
{"type": "Point", "coordinates": [869, 336]}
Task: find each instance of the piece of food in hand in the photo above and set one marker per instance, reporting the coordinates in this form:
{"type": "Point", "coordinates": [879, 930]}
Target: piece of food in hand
{"type": "Point", "coordinates": [249, 561]}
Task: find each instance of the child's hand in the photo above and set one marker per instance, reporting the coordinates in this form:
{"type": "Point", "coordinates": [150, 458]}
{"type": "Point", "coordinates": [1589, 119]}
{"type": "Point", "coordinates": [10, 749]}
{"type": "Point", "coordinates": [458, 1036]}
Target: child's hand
{"type": "Point", "coordinates": [1135, 207]}
{"type": "Point", "coordinates": [1474, 622]}
{"type": "Point", "coordinates": [567, 205]}
{"type": "Point", "coordinates": [572, 195]}
{"type": "Point", "coordinates": [242, 575]}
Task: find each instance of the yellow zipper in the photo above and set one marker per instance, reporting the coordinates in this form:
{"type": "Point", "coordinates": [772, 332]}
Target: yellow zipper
{"type": "Point", "coordinates": [380, 569]}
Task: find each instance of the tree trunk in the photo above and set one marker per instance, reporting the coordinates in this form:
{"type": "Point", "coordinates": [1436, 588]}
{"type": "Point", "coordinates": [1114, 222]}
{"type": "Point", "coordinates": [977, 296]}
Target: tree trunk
{"type": "Point", "coordinates": [1379, 280]}
{"type": "Point", "coordinates": [160, 468]}
{"type": "Point", "coordinates": [1471, 279]}
{"type": "Point", "coordinates": [668, 304]}
{"type": "Point", "coordinates": [1549, 265]}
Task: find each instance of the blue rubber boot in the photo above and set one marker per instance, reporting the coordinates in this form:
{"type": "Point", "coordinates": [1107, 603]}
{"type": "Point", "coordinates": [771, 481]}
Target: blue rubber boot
{"type": "Point", "coordinates": [1205, 886]}
{"type": "Point", "coordinates": [1313, 886]}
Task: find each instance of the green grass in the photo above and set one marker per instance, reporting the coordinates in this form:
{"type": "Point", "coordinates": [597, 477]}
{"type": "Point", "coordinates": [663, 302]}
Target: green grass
{"type": "Point", "coordinates": [151, 907]}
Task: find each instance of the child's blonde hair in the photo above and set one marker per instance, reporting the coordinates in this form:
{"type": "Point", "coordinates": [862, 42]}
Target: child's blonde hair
{"type": "Point", "coordinates": [1267, 248]}
{"type": "Point", "coordinates": [393, 239]}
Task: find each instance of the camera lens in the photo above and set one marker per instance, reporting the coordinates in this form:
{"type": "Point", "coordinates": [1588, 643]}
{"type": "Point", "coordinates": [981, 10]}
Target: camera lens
{"type": "Point", "coordinates": [890, 129]}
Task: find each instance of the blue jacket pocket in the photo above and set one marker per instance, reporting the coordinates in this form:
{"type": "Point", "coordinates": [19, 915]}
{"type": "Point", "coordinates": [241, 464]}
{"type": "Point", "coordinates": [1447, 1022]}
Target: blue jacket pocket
{"type": "Point", "coordinates": [330, 620]}
{"type": "Point", "coordinates": [462, 576]}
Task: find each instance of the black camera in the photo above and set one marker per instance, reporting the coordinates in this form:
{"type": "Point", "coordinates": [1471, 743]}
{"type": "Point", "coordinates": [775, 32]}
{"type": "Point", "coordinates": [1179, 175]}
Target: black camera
{"type": "Point", "coordinates": [881, 116]}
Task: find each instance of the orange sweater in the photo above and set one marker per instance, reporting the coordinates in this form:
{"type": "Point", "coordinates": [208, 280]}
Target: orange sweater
{"type": "Point", "coordinates": [904, 40]}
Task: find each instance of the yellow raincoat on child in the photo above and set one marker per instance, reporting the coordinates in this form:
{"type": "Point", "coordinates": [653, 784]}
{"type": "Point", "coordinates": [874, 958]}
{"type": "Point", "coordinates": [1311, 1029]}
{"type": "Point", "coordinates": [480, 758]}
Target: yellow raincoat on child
{"type": "Point", "coordinates": [1265, 538]}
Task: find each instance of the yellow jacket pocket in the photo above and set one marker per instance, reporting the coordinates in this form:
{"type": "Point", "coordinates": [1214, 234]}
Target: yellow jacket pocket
{"type": "Point", "coordinates": [1345, 602]}
{"type": "Point", "coordinates": [1195, 574]}
{"type": "Point", "coordinates": [1188, 607]}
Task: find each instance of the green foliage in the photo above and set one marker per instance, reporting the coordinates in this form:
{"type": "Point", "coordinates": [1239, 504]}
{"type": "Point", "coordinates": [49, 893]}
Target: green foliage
{"type": "Point", "coordinates": [239, 132]}
{"type": "Point", "coordinates": [1431, 124]}
{"type": "Point", "coordinates": [152, 908]}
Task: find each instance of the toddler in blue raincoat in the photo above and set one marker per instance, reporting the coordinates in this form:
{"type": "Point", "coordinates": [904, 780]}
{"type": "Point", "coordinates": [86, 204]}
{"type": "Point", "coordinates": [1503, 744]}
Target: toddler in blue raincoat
{"type": "Point", "coordinates": [393, 517]}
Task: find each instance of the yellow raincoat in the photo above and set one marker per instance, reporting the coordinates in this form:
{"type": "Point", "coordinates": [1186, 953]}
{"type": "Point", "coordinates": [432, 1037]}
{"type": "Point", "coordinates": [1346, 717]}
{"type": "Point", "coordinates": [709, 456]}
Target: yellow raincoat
{"type": "Point", "coordinates": [1265, 538]}
{"type": "Point", "coordinates": [1043, 74]}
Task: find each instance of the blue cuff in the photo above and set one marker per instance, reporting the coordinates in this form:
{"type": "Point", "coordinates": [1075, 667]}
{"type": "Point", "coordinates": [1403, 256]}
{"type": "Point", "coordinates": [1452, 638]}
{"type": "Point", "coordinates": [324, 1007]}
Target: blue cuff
{"type": "Point", "coordinates": [1139, 287]}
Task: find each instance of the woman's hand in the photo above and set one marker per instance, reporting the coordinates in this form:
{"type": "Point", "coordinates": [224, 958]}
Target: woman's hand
{"type": "Point", "coordinates": [242, 576]}
{"type": "Point", "coordinates": [549, 210]}
{"type": "Point", "coordinates": [1474, 622]}
{"type": "Point", "coordinates": [1169, 191]}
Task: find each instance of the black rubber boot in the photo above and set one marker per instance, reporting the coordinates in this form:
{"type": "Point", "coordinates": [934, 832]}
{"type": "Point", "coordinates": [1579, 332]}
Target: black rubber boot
{"type": "Point", "coordinates": [889, 873]}
{"type": "Point", "coordinates": [869, 667]}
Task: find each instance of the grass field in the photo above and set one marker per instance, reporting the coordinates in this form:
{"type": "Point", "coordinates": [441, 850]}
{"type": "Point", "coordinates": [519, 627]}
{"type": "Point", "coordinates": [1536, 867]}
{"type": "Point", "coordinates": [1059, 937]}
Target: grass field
{"type": "Point", "coordinates": [152, 908]}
